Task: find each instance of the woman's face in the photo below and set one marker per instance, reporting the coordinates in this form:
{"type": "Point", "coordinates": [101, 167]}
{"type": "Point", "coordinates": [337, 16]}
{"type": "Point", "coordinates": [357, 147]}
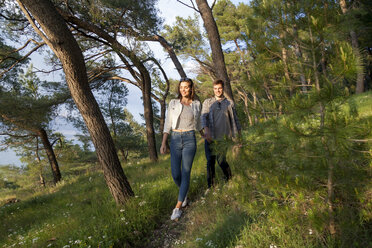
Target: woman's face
{"type": "Point", "coordinates": [185, 89]}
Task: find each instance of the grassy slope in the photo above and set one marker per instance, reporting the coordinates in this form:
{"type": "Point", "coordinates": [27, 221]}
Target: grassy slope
{"type": "Point", "coordinates": [272, 201]}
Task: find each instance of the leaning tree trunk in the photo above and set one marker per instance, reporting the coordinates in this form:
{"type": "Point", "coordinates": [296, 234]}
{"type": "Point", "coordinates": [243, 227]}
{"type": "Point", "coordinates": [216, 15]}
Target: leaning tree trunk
{"type": "Point", "coordinates": [50, 154]}
{"type": "Point", "coordinates": [215, 43]}
{"type": "Point", "coordinates": [164, 43]}
{"type": "Point", "coordinates": [149, 115]}
{"type": "Point", "coordinates": [355, 45]}
{"type": "Point", "coordinates": [59, 38]}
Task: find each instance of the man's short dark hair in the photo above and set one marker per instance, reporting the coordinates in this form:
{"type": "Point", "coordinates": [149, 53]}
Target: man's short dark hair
{"type": "Point", "coordinates": [219, 81]}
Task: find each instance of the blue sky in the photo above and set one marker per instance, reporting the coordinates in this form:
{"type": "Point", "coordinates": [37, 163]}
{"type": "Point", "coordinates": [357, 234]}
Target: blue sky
{"type": "Point", "coordinates": [169, 9]}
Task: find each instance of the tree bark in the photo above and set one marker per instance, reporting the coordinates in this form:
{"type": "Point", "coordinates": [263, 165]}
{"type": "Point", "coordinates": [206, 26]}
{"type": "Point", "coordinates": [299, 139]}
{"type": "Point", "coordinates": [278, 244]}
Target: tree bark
{"type": "Point", "coordinates": [355, 45]}
{"type": "Point", "coordinates": [50, 154]}
{"type": "Point", "coordinates": [298, 53]}
{"type": "Point", "coordinates": [59, 38]}
{"type": "Point", "coordinates": [215, 43]}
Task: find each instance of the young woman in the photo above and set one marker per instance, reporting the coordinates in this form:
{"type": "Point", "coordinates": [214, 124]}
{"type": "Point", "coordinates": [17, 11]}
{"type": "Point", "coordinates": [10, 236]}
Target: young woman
{"type": "Point", "coordinates": [183, 118]}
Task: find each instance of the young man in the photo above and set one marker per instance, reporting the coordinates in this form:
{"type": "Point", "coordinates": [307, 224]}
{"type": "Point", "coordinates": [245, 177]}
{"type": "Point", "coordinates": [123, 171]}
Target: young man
{"type": "Point", "coordinates": [219, 120]}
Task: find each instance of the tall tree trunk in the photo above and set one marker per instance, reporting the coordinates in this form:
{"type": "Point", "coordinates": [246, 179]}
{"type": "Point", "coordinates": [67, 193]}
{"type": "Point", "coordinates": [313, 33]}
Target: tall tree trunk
{"type": "Point", "coordinates": [50, 154]}
{"type": "Point", "coordinates": [59, 38]}
{"type": "Point", "coordinates": [298, 53]}
{"type": "Point", "coordinates": [315, 68]}
{"type": "Point", "coordinates": [355, 45]}
{"type": "Point", "coordinates": [148, 114]}
{"type": "Point", "coordinates": [285, 60]}
{"type": "Point", "coordinates": [215, 43]}
{"type": "Point", "coordinates": [243, 95]}
{"type": "Point", "coordinates": [41, 176]}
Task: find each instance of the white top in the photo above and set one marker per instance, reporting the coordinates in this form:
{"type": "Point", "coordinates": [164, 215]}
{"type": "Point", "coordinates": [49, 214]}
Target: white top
{"type": "Point", "coordinates": [186, 119]}
{"type": "Point", "coordinates": [174, 111]}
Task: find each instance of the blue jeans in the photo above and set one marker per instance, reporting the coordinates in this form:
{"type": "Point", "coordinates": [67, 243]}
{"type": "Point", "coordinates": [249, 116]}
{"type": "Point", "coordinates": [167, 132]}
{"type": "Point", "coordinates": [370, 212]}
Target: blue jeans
{"type": "Point", "coordinates": [182, 149]}
{"type": "Point", "coordinates": [211, 161]}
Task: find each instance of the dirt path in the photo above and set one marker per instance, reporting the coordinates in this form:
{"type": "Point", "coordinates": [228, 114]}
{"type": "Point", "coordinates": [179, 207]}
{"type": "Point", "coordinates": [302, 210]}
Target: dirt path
{"type": "Point", "coordinates": [167, 235]}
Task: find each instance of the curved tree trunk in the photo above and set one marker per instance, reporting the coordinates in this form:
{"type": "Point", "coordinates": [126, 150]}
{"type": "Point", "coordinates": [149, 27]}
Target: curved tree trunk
{"type": "Point", "coordinates": [59, 38]}
{"type": "Point", "coordinates": [163, 42]}
{"type": "Point", "coordinates": [50, 154]}
{"type": "Point", "coordinates": [215, 43]}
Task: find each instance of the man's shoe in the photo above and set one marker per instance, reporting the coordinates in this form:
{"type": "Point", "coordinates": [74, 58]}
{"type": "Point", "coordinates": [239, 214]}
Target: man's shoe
{"type": "Point", "coordinates": [176, 214]}
{"type": "Point", "coordinates": [185, 202]}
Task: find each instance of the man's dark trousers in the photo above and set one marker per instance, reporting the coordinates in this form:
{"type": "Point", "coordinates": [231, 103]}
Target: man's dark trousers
{"type": "Point", "coordinates": [211, 161]}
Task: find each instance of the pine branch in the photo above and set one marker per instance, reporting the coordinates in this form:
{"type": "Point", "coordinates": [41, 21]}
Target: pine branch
{"type": "Point", "coordinates": [192, 6]}
{"type": "Point", "coordinates": [21, 59]}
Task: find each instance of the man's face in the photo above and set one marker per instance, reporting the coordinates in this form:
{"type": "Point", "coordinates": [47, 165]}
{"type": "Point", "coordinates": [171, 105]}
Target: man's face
{"type": "Point", "coordinates": [218, 90]}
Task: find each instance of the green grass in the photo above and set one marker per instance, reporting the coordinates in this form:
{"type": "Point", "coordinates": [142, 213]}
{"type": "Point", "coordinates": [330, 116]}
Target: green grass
{"type": "Point", "coordinates": [277, 197]}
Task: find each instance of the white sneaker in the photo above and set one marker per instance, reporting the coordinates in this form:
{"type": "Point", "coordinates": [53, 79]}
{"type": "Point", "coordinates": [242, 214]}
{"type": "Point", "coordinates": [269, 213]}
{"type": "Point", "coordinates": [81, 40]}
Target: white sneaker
{"type": "Point", "coordinates": [176, 214]}
{"type": "Point", "coordinates": [184, 203]}
{"type": "Point", "coordinates": [207, 191]}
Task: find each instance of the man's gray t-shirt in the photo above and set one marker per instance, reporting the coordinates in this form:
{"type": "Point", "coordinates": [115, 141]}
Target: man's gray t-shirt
{"type": "Point", "coordinates": [221, 120]}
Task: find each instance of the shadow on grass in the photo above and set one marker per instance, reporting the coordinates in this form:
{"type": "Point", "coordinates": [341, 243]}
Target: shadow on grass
{"type": "Point", "coordinates": [227, 232]}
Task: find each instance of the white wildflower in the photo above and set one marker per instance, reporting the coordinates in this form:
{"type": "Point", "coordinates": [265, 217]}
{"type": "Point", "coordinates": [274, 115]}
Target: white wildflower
{"type": "Point", "coordinates": [310, 231]}
{"type": "Point", "coordinates": [142, 203]}
{"type": "Point", "coordinates": [209, 243]}
{"type": "Point", "coordinates": [66, 246]}
{"type": "Point", "coordinates": [49, 245]}
{"type": "Point", "coordinates": [89, 237]}
{"type": "Point", "coordinates": [122, 210]}
{"type": "Point", "coordinates": [273, 246]}
{"type": "Point", "coordinates": [198, 239]}
{"type": "Point", "coordinates": [77, 241]}
{"type": "Point", "coordinates": [123, 218]}
{"type": "Point", "coordinates": [104, 236]}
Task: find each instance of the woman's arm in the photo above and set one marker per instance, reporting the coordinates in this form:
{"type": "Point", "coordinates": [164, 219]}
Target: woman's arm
{"type": "Point", "coordinates": [163, 147]}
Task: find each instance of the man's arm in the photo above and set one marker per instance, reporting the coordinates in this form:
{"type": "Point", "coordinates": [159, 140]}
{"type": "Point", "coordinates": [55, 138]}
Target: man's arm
{"type": "Point", "coordinates": [205, 120]}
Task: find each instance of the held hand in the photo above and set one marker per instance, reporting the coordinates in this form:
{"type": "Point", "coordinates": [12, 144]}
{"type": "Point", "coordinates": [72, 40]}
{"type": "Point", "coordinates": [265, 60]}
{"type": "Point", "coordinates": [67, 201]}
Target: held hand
{"type": "Point", "coordinates": [208, 138]}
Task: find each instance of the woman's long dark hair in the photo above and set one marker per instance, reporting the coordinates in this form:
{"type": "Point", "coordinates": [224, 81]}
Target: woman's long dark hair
{"type": "Point", "coordinates": [191, 85]}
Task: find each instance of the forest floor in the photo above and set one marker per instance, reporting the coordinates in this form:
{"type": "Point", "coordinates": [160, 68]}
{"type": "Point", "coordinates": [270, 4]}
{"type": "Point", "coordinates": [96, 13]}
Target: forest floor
{"type": "Point", "coordinates": [276, 197]}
